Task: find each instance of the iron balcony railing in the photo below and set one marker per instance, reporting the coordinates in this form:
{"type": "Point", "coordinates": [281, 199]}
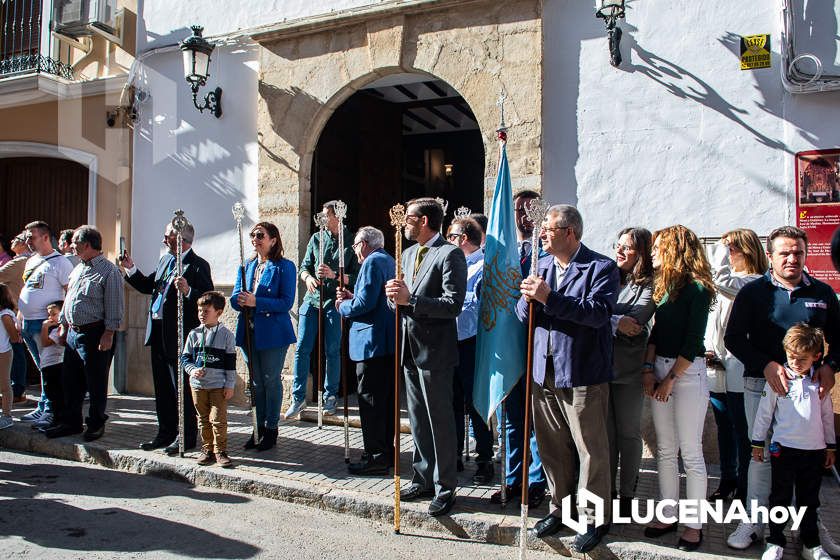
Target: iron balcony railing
{"type": "Point", "coordinates": [25, 44]}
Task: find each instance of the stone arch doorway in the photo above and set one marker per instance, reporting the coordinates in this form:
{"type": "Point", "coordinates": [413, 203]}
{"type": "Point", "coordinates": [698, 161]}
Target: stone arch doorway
{"type": "Point", "coordinates": [400, 137]}
{"type": "Point", "coordinates": [309, 69]}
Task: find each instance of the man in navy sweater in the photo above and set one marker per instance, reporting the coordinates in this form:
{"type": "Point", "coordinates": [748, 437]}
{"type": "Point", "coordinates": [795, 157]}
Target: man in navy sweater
{"type": "Point", "coordinates": [762, 313]}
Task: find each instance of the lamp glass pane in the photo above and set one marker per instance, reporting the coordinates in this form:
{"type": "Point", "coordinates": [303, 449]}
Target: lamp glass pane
{"type": "Point", "coordinates": [202, 62]}
{"type": "Point", "coordinates": [189, 68]}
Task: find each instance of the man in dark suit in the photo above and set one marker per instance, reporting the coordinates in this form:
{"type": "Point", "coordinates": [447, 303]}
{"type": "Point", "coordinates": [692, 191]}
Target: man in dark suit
{"type": "Point", "coordinates": [574, 294]}
{"type": "Point", "coordinates": [162, 331]}
{"type": "Point", "coordinates": [429, 300]}
{"type": "Point", "coordinates": [371, 342]}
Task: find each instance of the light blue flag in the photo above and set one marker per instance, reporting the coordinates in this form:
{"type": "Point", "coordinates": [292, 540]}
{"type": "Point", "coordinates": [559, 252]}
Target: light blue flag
{"type": "Point", "coordinates": [500, 348]}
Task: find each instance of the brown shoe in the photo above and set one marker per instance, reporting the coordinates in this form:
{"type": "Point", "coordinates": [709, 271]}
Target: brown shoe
{"type": "Point", "coordinates": [223, 460]}
{"type": "Point", "coordinates": [206, 458]}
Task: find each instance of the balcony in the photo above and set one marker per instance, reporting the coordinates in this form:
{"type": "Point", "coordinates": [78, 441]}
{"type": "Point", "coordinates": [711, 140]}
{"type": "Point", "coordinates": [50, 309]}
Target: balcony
{"type": "Point", "coordinates": [26, 45]}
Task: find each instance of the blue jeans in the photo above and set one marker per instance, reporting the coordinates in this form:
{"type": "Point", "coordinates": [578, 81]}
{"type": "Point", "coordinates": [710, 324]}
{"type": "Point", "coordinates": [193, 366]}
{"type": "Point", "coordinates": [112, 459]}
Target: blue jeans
{"type": "Point", "coordinates": [18, 368]}
{"type": "Point", "coordinates": [514, 427]}
{"type": "Point", "coordinates": [31, 334]}
{"type": "Point", "coordinates": [267, 366]}
{"type": "Point", "coordinates": [307, 338]}
{"type": "Point", "coordinates": [733, 440]}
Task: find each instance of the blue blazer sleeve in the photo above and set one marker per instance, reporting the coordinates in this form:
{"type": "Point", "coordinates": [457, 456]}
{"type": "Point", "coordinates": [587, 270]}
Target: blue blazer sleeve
{"type": "Point", "coordinates": [237, 287]}
{"type": "Point", "coordinates": [594, 310]}
{"type": "Point", "coordinates": [371, 283]}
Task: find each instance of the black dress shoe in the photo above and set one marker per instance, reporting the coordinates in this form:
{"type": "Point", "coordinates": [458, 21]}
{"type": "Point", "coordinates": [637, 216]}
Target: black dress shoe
{"type": "Point", "coordinates": [656, 532]}
{"type": "Point", "coordinates": [63, 430]}
{"type": "Point", "coordinates": [368, 468]}
{"type": "Point", "coordinates": [590, 539]}
{"type": "Point", "coordinates": [483, 474]}
{"type": "Point", "coordinates": [414, 491]}
{"type": "Point", "coordinates": [172, 448]}
{"type": "Point", "coordinates": [156, 443]}
{"type": "Point", "coordinates": [92, 434]}
{"type": "Point", "coordinates": [547, 526]}
{"type": "Point", "coordinates": [689, 546]}
{"type": "Point", "coordinates": [441, 505]}
{"type": "Point", "coordinates": [459, 466]}
{"type": "Point", "coordinates": [511, 494]}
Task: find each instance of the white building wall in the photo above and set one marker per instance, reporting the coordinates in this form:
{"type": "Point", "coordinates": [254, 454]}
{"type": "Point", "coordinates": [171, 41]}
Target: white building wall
{"type": "Point", "coordinates": [678, 133]}
{"type": "Point", "coordinates": [194, 161]}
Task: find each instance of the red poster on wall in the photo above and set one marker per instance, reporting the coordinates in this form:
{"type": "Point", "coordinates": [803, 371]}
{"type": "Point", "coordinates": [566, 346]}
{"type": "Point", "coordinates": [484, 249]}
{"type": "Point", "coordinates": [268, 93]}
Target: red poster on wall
{"type": "Point", "coordinates": [818, 209]}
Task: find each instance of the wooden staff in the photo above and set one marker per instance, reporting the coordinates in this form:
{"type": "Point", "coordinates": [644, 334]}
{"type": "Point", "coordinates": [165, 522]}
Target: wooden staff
{"type": "Point", "coordinates": [536, 210]}
{"type": "Point", "coordinates": [397, 213]}
{"type": "Point", "coordinates": [341, 213]}
{"type": "Point", "coordinates": [179, 222]}
{"type": "Point", "coordinates": [238, 215]}
{"type": "Point", "coordinates": [321, 220]}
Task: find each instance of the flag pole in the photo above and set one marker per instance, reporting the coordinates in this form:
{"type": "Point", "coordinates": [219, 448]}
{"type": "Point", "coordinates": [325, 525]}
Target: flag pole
{"type": "Point", "coordinates": [397, 213]}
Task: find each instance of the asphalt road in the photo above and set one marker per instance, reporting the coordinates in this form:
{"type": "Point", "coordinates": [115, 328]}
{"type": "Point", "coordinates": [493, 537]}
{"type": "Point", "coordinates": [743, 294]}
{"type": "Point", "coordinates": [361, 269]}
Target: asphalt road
{"type": "Point", "coordinates": [57, 509]}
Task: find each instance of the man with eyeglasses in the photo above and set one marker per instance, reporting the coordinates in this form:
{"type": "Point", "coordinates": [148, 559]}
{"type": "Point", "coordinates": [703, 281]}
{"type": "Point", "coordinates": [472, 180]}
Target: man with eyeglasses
{"type": "Point", "coordinates": [465, 233]}
{"type": "Point", "coordinates": [574, 293]}
{"type": "Point", "coordinates": [430, 297]}
{"type": "Point", "coordinates": [45, 280]}
{"type": "Point", "coordinates": [162, 330]}
{"type": "Point", "coordinates": [313, 273]}
{"type": "Point", "coordinates": [371, 345]}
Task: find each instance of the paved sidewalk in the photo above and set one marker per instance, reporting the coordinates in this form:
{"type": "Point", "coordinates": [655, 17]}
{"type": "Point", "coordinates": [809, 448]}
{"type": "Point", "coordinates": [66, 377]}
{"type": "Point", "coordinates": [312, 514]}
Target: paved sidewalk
{"type": "Point", "coordinates": [308, 467]}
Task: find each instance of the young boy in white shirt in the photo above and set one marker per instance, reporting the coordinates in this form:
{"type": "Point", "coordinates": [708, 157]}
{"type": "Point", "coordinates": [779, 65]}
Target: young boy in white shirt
{"type": "Point", "coordinates": [802, 444]}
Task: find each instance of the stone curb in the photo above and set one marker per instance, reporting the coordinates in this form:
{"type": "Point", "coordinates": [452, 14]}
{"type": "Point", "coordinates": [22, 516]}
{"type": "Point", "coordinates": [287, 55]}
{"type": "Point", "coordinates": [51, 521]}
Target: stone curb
{"type": "Point", "coordinates": [482, 527]}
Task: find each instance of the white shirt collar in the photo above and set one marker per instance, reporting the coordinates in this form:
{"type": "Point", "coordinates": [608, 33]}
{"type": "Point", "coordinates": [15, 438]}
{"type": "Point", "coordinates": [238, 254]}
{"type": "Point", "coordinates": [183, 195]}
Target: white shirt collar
{"type": "Point", "coordinates": [431, 241]}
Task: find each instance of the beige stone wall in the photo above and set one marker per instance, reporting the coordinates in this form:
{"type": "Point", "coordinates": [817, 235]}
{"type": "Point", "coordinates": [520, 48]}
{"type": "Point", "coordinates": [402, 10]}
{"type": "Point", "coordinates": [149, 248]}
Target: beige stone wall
{"type": "Point", "coordinates": [479, 48]}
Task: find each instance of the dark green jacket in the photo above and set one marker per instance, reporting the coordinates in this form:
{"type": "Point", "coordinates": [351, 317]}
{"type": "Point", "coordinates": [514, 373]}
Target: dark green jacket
{"type": "Point", "coordinates": [310, 263]}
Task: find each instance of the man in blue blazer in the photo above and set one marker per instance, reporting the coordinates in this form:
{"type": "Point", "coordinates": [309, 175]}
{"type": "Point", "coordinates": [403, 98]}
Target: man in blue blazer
{"type": "Point", "coordinates": [371, 342]}
{"type": "Point", "coordinates": [574, 295]}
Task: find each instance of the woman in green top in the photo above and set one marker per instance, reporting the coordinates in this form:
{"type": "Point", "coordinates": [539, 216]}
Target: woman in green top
{"type": "Point", "coordinates": [674, 372]}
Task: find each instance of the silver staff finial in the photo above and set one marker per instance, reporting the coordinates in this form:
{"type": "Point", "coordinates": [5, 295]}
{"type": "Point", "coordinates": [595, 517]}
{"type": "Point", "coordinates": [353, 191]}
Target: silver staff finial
{"type": "Point", "coordinates": [462, 212]}
{"type": "Point", "coordinates": [501, 104]}
{"type": "Point", "coordinates": [238, 212]}
{"type": "Point", "coordinates": [443, 204]}
{"type": "Point", "coordinates": [340, 209]}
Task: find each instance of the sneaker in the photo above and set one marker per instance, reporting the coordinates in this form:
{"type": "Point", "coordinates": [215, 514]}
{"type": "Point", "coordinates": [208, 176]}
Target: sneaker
{"type": "Point", "coordinates": [816, 553]}
{"type": "Point", "coordinates": [6, 422]}
{"type": "Point", "coordinates": [45, 420]}
{"type": "Point", "coordinates": [745, 535]}
{"type": "Point", "coordinates": [294, 409]}
{"type": "Point", "coordinates": [329, 406]}
{"type": "Point", "coordinates": [223, 460]}
{"type": "Point", "coordinates": [32, 416]}
{"type": "Point", "coordinates": [773, 552]}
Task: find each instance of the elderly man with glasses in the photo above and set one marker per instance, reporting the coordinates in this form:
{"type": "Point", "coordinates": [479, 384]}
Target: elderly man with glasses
{"type": "Point", "coordinates": [162, 330]}
{"type": "Point", "coordinates": [371, 344]}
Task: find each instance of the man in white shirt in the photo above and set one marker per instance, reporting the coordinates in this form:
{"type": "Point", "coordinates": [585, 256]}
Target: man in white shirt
{"type": "Point", "coordinates": [45, 279]}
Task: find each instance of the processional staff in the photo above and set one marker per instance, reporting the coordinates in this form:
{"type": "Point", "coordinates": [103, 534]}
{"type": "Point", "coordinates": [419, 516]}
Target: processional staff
{"type": "Point", "coordinates": [321, 220]}
{"type": "Point", "coordinates": [397, 214]}
{"type": "Point", "coordinates": [464, 212]}
{"type": "Point", "coordinates": [238, 214]}
{"type": "Point", "coordinates": [341, 213]}
{"type": "Point", "coordinates": [536, 211]}
{"type": "Point", "coordinates": [179, 223]}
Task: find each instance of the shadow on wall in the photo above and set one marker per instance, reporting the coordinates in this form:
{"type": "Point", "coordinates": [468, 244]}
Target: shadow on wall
{"type": "Point", "coordinates": [683, 84]}
{"type": "Point", "coordinates": [289, 109]}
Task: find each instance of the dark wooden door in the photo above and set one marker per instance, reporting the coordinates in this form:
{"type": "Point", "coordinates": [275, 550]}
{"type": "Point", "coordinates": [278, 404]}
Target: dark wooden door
{"type": "Point", "coordinates": [48, 189]}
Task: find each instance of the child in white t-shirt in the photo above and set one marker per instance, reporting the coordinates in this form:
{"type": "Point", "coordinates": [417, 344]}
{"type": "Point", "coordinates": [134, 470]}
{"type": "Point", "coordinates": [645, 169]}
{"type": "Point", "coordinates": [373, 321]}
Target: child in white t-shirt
{"type": "Point", "coordinates": [8, 334]}
{"type": "Point", "coordinates": [52, 356]}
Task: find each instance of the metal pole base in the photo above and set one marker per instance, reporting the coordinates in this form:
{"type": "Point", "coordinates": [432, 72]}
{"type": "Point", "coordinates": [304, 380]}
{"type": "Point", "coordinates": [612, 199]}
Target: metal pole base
{"type": "Point", "coordinates": [523, 532]}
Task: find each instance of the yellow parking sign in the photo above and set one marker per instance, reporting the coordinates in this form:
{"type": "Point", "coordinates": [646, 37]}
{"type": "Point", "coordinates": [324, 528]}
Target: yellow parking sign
{"type": "Point", "coordinates": [755, 52]}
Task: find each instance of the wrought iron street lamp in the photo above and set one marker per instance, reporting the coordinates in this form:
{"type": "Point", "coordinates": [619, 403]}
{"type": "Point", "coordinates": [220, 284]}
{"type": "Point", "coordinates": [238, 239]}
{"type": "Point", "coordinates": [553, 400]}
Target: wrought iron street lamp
{"type": "Point", "coordinates": [196, 50]}
{"type": "Point", "coordinates": [611, 11]}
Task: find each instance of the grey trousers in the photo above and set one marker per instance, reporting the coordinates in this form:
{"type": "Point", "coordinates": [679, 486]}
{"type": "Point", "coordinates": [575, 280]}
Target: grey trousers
{"type": "Point", "coordinates": [624, 428]}
{"type": "Point", "coordinates": [429, 396]}
{"type": "Point", "coordinates": [572, 424]}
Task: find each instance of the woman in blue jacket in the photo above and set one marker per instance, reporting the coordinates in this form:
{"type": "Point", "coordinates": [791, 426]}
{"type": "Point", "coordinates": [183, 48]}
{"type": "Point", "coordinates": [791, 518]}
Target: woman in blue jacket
{"type": "Point", "coordinates": [270, 281]}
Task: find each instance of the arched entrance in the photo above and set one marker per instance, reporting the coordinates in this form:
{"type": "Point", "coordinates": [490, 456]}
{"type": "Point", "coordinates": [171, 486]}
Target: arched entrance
{"type": "Point", "coordinates": [400, 137]}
